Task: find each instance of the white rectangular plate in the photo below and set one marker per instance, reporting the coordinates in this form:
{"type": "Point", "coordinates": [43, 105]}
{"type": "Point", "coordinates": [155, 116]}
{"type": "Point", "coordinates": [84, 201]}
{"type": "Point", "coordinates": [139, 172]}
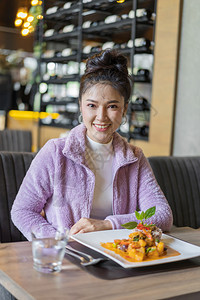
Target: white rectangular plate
{"type": "Point", "coordinates": [93, 240]}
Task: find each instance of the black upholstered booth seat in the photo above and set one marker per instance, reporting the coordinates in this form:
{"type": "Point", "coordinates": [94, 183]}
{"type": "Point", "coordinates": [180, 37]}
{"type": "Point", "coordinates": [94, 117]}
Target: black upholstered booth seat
{"type": "Point", "coordinates": [15, 140]}
{"type": "Point", "coordinates": [179, 179]}
{"type": "Point", "coordinates": [13, 167]}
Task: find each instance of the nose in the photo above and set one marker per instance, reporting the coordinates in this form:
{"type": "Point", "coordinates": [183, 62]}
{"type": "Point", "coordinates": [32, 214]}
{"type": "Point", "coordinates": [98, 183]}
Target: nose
{"type": "Point", "coordinates": [101, 114]}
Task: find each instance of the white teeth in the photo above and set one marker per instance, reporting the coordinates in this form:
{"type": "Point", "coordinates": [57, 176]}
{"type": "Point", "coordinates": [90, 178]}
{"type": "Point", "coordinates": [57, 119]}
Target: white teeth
{"type": "Point", "coordinates": [101, 126]}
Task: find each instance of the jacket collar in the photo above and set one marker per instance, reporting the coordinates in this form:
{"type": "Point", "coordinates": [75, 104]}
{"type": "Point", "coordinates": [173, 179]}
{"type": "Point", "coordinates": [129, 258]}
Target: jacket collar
{"type": "Point", "coordinates": [76, 143]}
{"type": "Point", "coordinates": [123, 151]}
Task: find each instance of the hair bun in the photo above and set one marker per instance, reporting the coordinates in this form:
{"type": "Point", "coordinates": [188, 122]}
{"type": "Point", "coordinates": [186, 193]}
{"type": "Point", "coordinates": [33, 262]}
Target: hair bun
{"type": "Point", "coordinates": [107, 67]}
{"type": "Point", "coordinates": [105, 60]}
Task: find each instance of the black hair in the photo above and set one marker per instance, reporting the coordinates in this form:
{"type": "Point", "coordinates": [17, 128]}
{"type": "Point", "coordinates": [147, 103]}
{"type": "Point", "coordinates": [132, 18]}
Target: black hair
{"type": "Point", "coordinates": [107, 67]}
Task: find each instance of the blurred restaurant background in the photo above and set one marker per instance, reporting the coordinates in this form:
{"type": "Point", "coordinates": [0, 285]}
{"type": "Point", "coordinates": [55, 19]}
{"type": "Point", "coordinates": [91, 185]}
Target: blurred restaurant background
{"type": "Point", "coordinates": [43, 49]}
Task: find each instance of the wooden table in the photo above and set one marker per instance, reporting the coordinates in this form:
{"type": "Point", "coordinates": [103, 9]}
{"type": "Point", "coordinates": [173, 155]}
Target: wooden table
{"type": "Point", "coordinates": [20, 279]}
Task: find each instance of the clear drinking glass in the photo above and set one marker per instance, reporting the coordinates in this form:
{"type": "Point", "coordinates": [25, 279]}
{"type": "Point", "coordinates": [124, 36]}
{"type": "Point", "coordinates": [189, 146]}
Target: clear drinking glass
{"type": "Point", "coordinates": [48, 253]}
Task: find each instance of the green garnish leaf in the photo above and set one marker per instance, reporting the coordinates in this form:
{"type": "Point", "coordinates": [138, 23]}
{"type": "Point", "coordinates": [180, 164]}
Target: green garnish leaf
{"type": "Point", "coordinates": [150, 212]}
{"type": "Point", "coordinates": [129, 225]}
{"type": "Point", "coordinates": [141, 216]}
{"type": "Point", "coordinates": [137, 214]}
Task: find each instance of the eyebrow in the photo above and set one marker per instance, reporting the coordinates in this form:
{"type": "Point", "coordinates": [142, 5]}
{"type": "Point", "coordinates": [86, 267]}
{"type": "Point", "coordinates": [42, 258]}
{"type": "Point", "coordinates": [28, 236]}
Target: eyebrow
{"type": "Point", "coordinates": [111, 101]}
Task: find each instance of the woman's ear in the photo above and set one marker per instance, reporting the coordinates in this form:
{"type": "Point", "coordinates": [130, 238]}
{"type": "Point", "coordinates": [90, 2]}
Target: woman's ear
{"type": "Point", "coordinates": [79, 102]}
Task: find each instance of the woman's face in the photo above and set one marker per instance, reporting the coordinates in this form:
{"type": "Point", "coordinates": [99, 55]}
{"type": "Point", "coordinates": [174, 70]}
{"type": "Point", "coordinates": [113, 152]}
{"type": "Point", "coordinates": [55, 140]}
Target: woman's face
{"type": "Point", "coordinates": [102, 108]}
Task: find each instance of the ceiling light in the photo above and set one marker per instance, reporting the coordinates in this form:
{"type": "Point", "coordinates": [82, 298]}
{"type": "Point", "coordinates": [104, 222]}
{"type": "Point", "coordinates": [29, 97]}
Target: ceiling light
{"type": "Point", "coordinates": [25, 32]}
{"type": "Point", "coordinates": [18, 22]}
{"type": "Point", "coordinates": [35, 2]}
{"type": "Point", "coordinates": [27, 24]}
{"type": "Point", "coordinates": [30, 18]}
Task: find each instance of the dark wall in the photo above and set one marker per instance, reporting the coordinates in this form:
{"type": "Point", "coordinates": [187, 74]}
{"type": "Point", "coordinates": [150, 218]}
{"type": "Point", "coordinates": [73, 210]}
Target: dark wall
{"type": "Point", "coordinates": [8, 10]}
{"type": "Point", "coordinates": [12, 40]}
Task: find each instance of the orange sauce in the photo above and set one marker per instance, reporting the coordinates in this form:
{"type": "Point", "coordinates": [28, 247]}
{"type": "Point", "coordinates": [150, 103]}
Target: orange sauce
{"type": "Point", "coordinates": [169, 253]}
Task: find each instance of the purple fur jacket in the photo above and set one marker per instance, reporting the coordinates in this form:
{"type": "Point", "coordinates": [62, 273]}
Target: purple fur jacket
{"type": "Point", "coordinates": [60, 182]}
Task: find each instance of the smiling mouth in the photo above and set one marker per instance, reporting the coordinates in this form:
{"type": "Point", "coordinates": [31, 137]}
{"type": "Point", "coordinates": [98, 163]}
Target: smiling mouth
{"type": "Point", "coordinates": [101, 127]}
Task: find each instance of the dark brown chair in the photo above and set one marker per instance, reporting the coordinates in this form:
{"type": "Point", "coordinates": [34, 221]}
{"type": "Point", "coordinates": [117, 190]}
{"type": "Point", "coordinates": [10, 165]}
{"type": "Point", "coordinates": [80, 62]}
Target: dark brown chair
{"type": "Point", "coordinates": [15, 140]}
{"type": "Point", "coordinates": [13, 167]}
{"type": "Point", "coordinates": [179, 179]}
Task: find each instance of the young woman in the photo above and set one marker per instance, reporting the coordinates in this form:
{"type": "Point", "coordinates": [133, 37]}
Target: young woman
{"type": "Point", "coordinates": [93, 179]}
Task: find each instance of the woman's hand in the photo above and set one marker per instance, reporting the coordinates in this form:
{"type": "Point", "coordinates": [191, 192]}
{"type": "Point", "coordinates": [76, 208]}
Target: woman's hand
{"type": "Point", "coordinates": [88, 225]}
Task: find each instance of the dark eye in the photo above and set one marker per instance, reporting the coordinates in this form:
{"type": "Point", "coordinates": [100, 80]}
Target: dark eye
{"type": "Point", "coordinates": [91, 105]}
{"type": "Point", "coordinates": [113, 106]}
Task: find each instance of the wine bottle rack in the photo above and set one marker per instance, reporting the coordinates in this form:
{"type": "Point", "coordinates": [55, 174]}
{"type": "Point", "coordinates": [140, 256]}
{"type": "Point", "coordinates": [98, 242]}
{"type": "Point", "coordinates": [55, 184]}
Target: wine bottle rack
{"type": "Point", "coordinates": [96, 32]}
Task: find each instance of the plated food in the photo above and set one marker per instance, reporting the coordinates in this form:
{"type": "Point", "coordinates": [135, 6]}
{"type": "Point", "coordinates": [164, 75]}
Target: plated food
{"type": "Point", "coordinates": [143, 243]}
{"type": "Point", "coordinates": [140, 244]}
{"type": "Point", "coordinates": [177, 250]}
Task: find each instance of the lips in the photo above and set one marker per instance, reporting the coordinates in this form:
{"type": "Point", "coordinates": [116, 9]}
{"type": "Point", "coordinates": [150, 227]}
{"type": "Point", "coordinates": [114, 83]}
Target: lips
{"type": "Point", "coordinates": [101, 127]}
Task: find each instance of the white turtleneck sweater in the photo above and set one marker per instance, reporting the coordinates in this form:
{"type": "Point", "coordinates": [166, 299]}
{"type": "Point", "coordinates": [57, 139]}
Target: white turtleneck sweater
{"type": "Point", "coordinates": [99, 158]}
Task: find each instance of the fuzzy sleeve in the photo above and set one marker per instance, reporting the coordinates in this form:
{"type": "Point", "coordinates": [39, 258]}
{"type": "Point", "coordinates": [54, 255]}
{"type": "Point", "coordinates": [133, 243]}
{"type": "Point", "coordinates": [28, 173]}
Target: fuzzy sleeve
{"type": "Point", "coordinates": [148, 194]}
{"type": "Point", "coordinates": [34, 192]}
